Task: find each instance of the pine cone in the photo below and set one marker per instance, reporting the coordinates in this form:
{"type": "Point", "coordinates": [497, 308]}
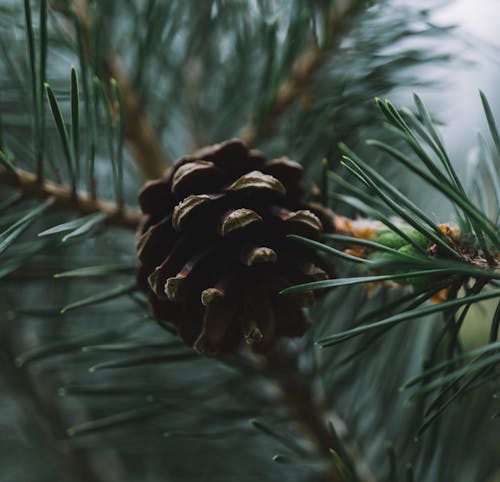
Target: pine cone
{"type": "Point", "coordinates": [214, 253]}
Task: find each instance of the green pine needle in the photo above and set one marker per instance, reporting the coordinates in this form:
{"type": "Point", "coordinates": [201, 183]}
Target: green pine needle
{"type": "Point", "coordinates": [405, 316]}
{"type": "Point", "coordinates": [101, 297]}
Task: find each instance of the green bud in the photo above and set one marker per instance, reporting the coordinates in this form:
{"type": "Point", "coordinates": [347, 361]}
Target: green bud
{"type": "Point", "coordinates": [393, 240]}
{"type": "Point", "coordinates": [390, 239]}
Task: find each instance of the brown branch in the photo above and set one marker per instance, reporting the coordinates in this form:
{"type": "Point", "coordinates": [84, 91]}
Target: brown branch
{"type": "Point", "coordinates": [63, 198]}
{"type": "Point", "coordinates": [303, 70]}
{"type": "Point", "coordinates": [141, 139]}
{"type": "Point", "coordinates": [140, 136]}
{"type": "Point", "coordinates": [307, 408]}
{"type": "Point", "coordinates": [51, 423]}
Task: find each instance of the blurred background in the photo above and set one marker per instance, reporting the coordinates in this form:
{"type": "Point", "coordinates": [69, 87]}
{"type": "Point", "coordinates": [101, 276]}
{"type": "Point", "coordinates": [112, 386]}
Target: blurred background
{"type": "Point", "coordinates": [475, 66]}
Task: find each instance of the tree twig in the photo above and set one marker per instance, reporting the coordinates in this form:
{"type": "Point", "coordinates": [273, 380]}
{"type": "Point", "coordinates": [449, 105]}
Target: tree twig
{"type": "Point", "coordinates": [142, 140]}
{"type": "Point", "coordinates": [50, 419]}
{"type": "Point", "coordinates": [28, 184]}
{"type": "Point", "coordinates": [308, 410]}
{"type": "Point", "coordinates": [303, 70]}
{"type": "Point", "coordinates": [140, 136]}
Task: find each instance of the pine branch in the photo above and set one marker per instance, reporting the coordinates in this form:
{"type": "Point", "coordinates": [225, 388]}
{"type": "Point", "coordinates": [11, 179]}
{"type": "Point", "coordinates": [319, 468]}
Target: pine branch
{"type": "Point", "coordinates": [298, 393]}
{"type": "Point", "coordinates": [140, 136]}
{"type": "Point", "coordinates": [52, 423]}
{"type": "Point", "coordinates": [142, 140]}
{"type": "Point", "coordinates": [303, 70]}
{"type": "Point", "coordinates": [311, 415]}
{"type": "Point", "coordinates": [63, 198]}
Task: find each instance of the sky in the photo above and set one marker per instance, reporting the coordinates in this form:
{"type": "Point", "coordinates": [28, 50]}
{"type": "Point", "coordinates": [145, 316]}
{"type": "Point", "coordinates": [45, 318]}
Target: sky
{"type": "Point", "coordinates": [454, 98]}
{"type": "Point", "coordinates": [477, 24]}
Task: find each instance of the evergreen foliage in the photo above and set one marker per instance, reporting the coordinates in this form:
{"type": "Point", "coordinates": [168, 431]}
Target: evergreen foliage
{"type": "Point", "coordinates": [95, 98]}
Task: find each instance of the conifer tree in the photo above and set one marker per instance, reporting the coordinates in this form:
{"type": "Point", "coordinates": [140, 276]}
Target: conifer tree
{"type": "Point", "coordinates": [213, 265]}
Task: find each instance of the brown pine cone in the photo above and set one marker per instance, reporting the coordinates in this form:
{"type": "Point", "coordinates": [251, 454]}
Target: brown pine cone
{"type": "Point", "coordinates": [214, 253]}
